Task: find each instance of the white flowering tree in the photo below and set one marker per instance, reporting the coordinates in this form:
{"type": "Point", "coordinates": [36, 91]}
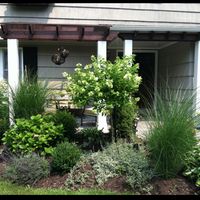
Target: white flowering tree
{"type": "Point", "coordinates": [104, 84]}
{"type": "Point", "coordinates": [4, 107]}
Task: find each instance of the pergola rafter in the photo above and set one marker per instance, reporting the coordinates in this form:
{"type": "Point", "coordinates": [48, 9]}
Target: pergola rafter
{"type": "Point", "coordinates": [57, 32]}
{"type": "Point", "coordinates": [160, 36]}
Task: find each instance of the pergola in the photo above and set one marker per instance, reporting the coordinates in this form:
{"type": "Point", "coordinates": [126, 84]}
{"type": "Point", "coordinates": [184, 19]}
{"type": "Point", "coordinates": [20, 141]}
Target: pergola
{"type": "Point", "coordinates": [57, 32]}
{"type": "Point", "coordinates": [12, 32]}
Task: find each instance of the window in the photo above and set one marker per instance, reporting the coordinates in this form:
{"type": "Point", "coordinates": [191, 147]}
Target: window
{"type": "Point", "coordinates": [4, 63]}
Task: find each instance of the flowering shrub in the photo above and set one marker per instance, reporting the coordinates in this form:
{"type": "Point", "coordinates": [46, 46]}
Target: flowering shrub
{"type": "Point", "coordinates": [4, 110]}
{"type": "Point", "coordinates": [3, 99]}
{"type": "Point", "coordinates": [104, 84]}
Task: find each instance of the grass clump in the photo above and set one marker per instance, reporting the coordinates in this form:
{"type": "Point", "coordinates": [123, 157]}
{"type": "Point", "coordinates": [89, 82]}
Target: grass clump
{"type": "Point", "coordinates": [29, 99]}
{"type": "Point", "coordinates": [171, 135]}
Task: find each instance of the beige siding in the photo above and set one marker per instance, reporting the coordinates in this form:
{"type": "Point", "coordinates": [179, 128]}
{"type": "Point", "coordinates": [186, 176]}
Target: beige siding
{"type": "Point", "coordinates": [176, 65]}
{"type": "Point", "coordinates": [121, 16]}
{"type": "Point", "coordinates": [52, 73]}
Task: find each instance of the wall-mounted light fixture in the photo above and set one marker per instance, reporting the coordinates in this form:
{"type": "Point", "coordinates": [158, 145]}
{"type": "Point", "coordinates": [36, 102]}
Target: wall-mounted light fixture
{"type": "Point", "coordinates": [59, 57]}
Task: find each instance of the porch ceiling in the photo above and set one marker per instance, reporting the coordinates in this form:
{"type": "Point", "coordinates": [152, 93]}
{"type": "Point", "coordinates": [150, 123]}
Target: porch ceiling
{"type": "Point", "coordinates": [56, 32]}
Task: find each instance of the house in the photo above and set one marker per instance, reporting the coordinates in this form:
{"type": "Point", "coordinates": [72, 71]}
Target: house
{"type": "Point", "coordinates": [165, 37]}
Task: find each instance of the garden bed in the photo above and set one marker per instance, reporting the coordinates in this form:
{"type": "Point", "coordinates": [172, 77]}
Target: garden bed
{"type": "Point", "coordinates": [175, 186]}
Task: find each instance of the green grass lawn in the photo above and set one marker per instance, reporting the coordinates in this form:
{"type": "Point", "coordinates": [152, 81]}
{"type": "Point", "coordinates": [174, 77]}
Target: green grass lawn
{"type": "Point", "coordinates": [7, 188]}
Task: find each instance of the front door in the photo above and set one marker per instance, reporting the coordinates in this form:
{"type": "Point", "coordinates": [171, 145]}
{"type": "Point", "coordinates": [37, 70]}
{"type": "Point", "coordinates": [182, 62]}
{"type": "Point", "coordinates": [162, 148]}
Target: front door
{"type": "Point", "coordinates": [146, 62]}
{"type": "Point", "coordinates": [147, 72]}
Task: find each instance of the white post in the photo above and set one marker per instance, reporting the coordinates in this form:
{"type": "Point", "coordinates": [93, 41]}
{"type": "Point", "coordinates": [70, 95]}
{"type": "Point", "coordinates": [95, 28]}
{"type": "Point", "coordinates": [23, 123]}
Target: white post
{"type": "Point", "coordinates": [13, 71]}
{"type": "Point", "coordinates": [128, 47]}
{"type": "Point", "coordinates": [1, 65]}
{"type": "Point", "coordinates": [196, 84]}
{"type": "Point", "coordinates": [101, 119]}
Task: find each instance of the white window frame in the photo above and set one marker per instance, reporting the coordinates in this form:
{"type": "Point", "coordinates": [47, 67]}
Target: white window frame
{"type": "Point", "coordinates": [2, 49]}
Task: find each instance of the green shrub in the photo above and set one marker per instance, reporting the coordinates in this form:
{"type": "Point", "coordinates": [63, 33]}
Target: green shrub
{"type": "Point", "coordinates": [64, 157]}
{"type": "Point", "coordinates": [67, 120]}
{"type": "Point", "coordinates": [27, 170]}
{"type": "Point", "coordinates": [32, 135]}
{"type": "Point", "coordinates": [118, 159]}
{"type": "Point", "coordinates": [29, 99]}
{"type": "Point", "coordinates": [92, 139]}
{"type": "Point", "coordinates": [124, 120]}
{"type": "Point", "coordinates": [192, 165]}
{"type": "Point", "coordinates": [171, 133]}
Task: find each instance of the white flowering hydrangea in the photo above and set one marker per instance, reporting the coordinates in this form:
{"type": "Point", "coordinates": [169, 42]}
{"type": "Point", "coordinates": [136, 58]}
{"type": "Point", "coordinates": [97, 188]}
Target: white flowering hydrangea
{"type": "Point", "coordinates": [104, 84]}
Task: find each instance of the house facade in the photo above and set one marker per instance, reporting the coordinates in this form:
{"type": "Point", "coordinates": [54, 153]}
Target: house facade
{"type": "Point", "coordinates": [165, 38]}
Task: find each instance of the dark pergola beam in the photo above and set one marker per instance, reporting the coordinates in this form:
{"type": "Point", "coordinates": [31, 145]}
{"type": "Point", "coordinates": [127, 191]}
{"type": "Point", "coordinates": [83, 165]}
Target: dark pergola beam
{"type": "Point", "coordinates": [82, 31]}
{"type": "Point", "coordinates": [151, 35]}
{"type": "Point", "coordinates": [55, 31]}
{"type": "Point", "coordinates": [183, 35]}
{"type": "Point", "coordinates": [126, 36]}
{"type": "Point", "coordinates": [4, 30]}
{"type": "Point", "coordinates": [106, 34]}
{"type": "Point", "coordinates": [167, 35]}
{"type": "Point", "coordinates": [159, 36]}
{"type": "Point", "coordinates": [30, 31]}
{"type": "Point", "coordinates": [134, 34]}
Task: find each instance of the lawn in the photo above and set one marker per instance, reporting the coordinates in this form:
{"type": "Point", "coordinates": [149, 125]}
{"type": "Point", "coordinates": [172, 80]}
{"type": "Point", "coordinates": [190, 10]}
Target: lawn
{"type": "Point", "coordinates": [7, 188]}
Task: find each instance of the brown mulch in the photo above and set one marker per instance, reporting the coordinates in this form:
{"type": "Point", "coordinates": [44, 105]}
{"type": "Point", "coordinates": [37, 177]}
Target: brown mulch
{"type": "Point", "coordinates": [116, 184]}
{"type": "Point", "coordinates": [174, 186]}
{"type": "Point", "coordinates": [54, 181]}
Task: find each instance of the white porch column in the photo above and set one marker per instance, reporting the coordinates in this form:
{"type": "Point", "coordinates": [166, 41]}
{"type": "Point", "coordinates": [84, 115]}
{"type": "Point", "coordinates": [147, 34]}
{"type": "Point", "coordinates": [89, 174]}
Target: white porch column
{"type": "Point", "coordinates": [196, 82]}
{"type": "Point", "coordinates": [1, 64]}
{"type": "Point", "coordinates": [101, 119]}
{"type": "Point", "coordinates": [128, 47]}
{"type": "Point", "coordinates": [13, 70]}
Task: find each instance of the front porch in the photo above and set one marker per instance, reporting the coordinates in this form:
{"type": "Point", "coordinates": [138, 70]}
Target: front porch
{"type": "Point", "coordinates": [171, 57]}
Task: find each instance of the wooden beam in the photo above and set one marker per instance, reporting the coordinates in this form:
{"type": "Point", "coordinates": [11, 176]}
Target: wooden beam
{"type": "Point", "coordinates": [183, 35]}
{"type": "Point", "coordinates": [106, 34]}
{"type": "Point", "coordinates": [151, 35]}
{"type": "Point", "coordinates": [125, 36]}
{"type": "Point", "coordinates": [57, 31]}
{"type": "Point", "coordinates": [81, 32]}
{"type": "Point", "coordinates": [30, 31]}
{"type": "Point", "coordinates": [167, 35]}
{"type": "Point", "coordinates": [4, 29]}
{"type": "Point", "coordinates": [134, 34]}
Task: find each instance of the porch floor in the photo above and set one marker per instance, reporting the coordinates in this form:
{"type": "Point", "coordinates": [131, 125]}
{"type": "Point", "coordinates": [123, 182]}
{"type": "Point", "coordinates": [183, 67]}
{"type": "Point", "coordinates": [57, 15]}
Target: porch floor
{"type": "Point", "coordinates": [142, 126]}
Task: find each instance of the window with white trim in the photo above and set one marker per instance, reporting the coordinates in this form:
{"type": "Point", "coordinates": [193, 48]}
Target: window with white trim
{"type": "Point", "coordinates": [4, 64]}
